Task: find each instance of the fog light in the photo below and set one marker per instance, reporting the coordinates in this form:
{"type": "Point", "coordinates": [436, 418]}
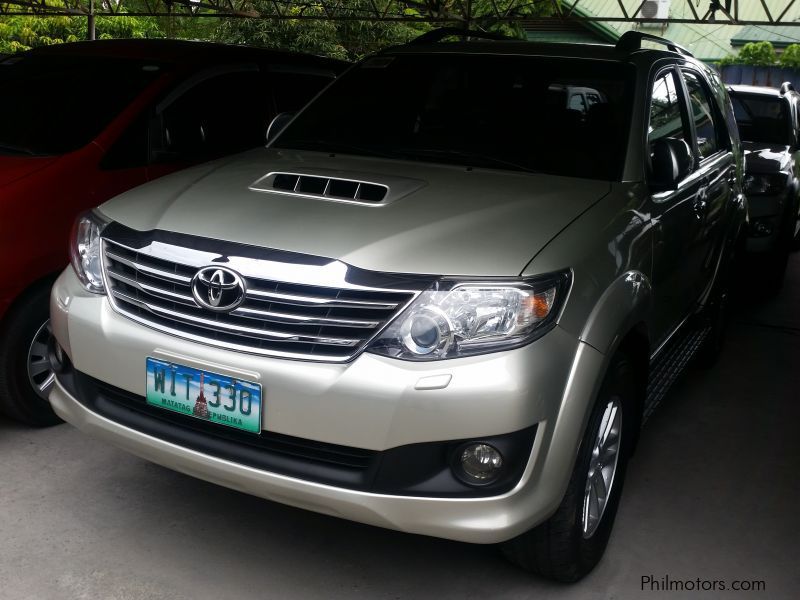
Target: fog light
{"type": "Point", "coordinates": [480, 463]}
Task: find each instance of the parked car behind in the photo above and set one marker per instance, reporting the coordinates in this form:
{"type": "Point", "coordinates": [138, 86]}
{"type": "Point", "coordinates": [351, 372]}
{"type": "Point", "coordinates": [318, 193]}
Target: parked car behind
{"type": "Point", "coordinates": [769, 126]}
{"type": "Point", "coordinates": [84, 122]}
{"type": "Point", "coordinates": [437, 302]}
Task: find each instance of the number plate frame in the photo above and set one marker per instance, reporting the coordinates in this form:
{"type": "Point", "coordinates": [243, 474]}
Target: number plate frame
{"type": "Point", "coordinates": [227, 401]}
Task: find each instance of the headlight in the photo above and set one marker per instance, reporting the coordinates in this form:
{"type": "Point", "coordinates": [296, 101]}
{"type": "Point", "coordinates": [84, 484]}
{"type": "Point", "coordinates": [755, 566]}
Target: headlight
{"type": "Point", "coordinates": [462, 318]}
{"type": "Point", "coordinates": [84, 251]}
{"type": "Point", "coordinates": [773, 183]}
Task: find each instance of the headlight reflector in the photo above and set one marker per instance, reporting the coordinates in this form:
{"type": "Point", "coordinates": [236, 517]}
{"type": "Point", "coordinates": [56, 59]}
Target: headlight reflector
{"type": "Point", "coordinates": [84, 251]}
{"type": "Point", "coordinates": [462, 318]}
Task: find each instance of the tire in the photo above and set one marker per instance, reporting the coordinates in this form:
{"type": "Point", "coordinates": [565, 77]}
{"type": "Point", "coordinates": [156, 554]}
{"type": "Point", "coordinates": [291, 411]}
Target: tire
{"type": "Point", "coordinates": [569, 545]}
{"type": "Point", "coordinates": [24, 333]}
{"type": "Point", "coordinates": [775, 262]}
{"type": "Point", "coordinates": [774, 268]}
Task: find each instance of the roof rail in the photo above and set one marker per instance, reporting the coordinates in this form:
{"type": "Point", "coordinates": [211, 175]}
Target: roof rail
{"type": "Point", "coordinates": [632, 40]}
{"type": "Point", "coordinates": [437, 35]}
{"type": "Point", "coordinates": [786, 86]}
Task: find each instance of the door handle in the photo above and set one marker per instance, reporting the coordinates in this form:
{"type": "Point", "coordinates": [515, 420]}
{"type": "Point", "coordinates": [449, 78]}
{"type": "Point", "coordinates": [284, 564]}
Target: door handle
{"type": "Point", "coordinates": [700, 204]}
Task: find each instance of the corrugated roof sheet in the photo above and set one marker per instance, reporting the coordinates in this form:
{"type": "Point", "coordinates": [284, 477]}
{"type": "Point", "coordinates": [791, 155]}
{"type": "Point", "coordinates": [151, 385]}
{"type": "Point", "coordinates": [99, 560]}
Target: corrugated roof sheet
{"type": "Point", "coordinates": [780, 35]}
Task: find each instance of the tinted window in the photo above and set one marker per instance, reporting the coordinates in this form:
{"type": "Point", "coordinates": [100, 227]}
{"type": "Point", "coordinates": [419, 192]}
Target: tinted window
{"type": "Point", "coordinates": [131, 149]}
{"type": "Point", "coordinates": [221, 115]}
{"type": "Point", "coordinates": [486, 111]}
{"type": "Point", "coordinates": [762, 118]}
{"type": "Point", "coordinates": [576, 102]}
{"type": "Point", "coordinates": [704, 116]}
{"type": "Point", "coordinates": [667, 117]}
{"type": "Point", "coordinates": [60, 104]}
{"type": "Point", "coordinates": [294, 91]}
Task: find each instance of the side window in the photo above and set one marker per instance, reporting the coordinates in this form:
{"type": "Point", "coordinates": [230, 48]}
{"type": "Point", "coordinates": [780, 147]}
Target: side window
{"type": "Point", "coordinates": [294, 90]}
{"type": "Point", "coordinates": [221, 115]}
{"type": "Point", "coordinates": [708, 132]}
{"type": "Point", "coordinates": [576, 102]}
{"type": "Point", "coordinates": [130, 149]}
{"type": "Point", "coordinates": [667, 114]}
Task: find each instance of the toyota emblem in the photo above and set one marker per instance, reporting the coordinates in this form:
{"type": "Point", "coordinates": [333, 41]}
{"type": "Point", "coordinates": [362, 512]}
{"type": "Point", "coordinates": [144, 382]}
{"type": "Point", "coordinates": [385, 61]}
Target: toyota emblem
{"type": "Point", "coordinates": [218, 288]}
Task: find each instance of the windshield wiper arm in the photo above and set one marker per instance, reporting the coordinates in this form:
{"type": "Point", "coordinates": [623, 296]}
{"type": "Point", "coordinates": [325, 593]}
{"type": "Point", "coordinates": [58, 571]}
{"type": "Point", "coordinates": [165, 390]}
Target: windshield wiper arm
{"type": "Point", "coordinates": [463, 154]}
{"type": "Point", "coordinates": [335, 147]}
{"type": "Point", "coordinates": [17, 150]}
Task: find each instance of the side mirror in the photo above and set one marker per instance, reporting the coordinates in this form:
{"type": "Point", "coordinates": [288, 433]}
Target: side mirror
{"type": "Point", "coordinates": [278, 123]}
{"type": "Point", "coordinates": [671, 161]}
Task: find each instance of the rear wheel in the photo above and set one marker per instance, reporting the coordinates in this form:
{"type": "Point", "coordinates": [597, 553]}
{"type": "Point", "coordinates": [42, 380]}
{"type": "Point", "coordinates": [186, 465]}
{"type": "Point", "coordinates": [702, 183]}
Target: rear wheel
{"type": "Point", "coordinates": [570, 543]}
{"type": "Point", "coordinates": [25, 374]}
{"type": "Point", "coordinates": [775, 262]}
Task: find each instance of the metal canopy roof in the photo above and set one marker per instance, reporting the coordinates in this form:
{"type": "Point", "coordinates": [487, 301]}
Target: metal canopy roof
{"type": "Point", "coordinates": [465, 12]}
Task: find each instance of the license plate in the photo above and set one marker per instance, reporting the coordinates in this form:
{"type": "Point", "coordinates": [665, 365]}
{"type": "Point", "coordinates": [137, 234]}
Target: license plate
{"type": "Point", "coordinates": [204, 395]}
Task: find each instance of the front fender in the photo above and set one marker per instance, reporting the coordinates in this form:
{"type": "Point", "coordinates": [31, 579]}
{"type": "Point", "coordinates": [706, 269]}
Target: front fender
{"type": "Point", "coordinates": [624, 304]}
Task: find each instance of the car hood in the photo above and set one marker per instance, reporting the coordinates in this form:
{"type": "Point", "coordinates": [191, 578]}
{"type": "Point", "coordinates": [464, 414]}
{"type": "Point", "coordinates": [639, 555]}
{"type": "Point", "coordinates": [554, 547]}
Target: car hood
{"type": "Point", "coordinates": [441, 219]}
{"type": "Point", "coordinates": [17, 167]}
{"type": "Point", "coordinates": [765, 158]}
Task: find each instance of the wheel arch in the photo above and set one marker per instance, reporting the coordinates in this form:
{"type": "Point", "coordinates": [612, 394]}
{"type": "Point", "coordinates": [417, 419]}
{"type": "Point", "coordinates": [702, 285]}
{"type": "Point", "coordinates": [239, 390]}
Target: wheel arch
{"type": "Point", "coordinates": [21, 297]}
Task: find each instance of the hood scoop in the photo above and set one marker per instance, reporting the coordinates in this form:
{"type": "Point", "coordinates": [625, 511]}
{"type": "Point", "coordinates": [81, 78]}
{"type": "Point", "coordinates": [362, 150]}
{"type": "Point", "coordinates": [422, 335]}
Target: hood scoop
{"type": "Point", "coordinates": [351, 188]}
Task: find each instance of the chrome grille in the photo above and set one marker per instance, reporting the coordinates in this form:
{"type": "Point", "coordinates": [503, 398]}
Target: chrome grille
{"type": "Point", "coordinates": [276, 318]}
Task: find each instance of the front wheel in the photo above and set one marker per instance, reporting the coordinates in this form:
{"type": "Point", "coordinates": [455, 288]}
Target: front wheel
{"type": "Point", "coordinates": [570, 543]}
{"type": "Point", "coordinates": [25, 374]}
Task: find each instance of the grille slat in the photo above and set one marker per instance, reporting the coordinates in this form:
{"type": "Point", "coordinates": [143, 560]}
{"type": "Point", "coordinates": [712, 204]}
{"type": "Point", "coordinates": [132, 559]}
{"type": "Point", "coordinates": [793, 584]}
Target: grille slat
{"type": "Point", "coordinates": [276, 318]}
{"type": "Point", "coordinates": [298, 300]}
{"type": "Point", "coordinates": [149, 270]}
{"type": "Point", "coordinates": [153, 291]}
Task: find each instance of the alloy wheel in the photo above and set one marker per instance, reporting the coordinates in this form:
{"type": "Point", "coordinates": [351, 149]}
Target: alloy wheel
{"type": "Point", "coordinates": [40, 374]}
{"type": "Point", "coordinates": [602, 468]}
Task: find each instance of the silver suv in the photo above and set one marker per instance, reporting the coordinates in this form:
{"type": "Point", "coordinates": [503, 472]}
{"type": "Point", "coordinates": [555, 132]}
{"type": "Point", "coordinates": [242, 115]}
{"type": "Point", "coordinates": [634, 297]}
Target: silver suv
{"type": "Point", "coordinates": [440, 301]}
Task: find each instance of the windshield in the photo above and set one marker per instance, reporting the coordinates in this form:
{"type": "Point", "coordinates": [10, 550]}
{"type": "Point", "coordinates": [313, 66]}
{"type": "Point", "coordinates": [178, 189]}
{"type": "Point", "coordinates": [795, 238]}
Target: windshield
{"type": "Point", "coordinates": [52, 105]}
{"type": "Point", "coordinates": [762, 118]}
{"type": "Point", "coordinates": [559, 116]}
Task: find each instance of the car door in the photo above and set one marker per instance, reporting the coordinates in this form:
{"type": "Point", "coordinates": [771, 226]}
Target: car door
{"type": "Point", "coordinates": [124, 164]}
{"type": "Point", "coordinates": [717, 173]}
{"type": "Point", "coordinates": [676, 214]}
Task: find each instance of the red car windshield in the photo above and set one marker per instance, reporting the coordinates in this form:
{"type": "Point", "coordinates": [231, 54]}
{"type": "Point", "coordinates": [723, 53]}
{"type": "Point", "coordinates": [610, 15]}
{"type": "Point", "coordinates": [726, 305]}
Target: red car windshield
{"type": "Point", "coordinates": [52, 105]}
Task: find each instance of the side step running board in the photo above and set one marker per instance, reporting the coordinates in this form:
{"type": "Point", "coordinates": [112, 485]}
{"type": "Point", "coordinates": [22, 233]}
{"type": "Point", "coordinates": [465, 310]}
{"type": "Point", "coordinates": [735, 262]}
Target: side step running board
{"type": "Point", "coordinates": [669, 365]}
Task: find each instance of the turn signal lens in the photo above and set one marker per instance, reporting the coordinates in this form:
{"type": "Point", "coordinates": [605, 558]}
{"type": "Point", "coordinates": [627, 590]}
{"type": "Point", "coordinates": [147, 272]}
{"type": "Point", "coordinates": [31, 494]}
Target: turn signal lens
{"type": "Point", "coordinates": [84, 250]}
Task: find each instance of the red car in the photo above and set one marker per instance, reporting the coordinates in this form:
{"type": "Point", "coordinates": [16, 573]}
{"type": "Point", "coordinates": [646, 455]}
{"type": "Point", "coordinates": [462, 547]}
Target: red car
{"type": "Point", "coordinates": [80, 123]}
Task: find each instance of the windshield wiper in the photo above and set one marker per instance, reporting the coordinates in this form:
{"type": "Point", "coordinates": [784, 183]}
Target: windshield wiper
{"type": "Point", "coordinates": [468, 156]}
{"type": "Point", "coordinates": [8, 148]}
{"type": "Point", "coordinates": [335, 147]}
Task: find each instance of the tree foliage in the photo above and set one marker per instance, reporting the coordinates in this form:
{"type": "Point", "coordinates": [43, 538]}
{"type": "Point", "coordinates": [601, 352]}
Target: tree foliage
{"type": "Point", "coordinates": [791, 57]}
{"type": "Point", "coordinates": [338, 39]}
{"type": "Point", "coordinates": [23, 32]}
{"type": "Point", "coordinates": [757, 54]}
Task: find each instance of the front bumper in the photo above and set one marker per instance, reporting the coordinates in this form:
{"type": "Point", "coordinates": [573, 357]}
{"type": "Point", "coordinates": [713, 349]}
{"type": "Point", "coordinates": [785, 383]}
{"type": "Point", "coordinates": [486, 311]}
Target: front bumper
{"type": "Point", "coordinates": [373, 403]}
